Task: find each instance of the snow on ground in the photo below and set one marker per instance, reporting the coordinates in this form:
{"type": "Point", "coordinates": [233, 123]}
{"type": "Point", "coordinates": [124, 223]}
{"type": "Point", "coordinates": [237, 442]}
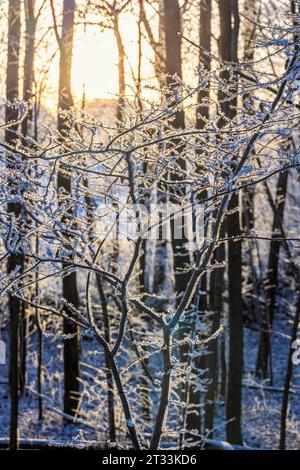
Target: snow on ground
{"type": "Point", "coordinates": [261, 409]}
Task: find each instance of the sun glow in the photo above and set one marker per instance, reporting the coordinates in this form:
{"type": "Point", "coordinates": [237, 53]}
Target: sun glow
{"type": "Point", "coordinates": [95, 59]}
{"type": "Point", "coordinates": [95, 64]}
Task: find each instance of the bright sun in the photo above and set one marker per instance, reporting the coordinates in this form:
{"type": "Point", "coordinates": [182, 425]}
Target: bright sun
{"type": "Point", "coordinates": [95, 62]}
{"type": "Point", "coordinates": [95, 59]}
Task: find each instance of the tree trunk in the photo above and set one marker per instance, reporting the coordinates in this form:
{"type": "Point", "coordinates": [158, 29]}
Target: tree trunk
{"type": "Point", "coordinates": [294, 342]}
{"type": "Point", "coordinates": [27, 97]}
{"type": "Point", "coordinates": [250, 278]}
{"type": "Point", "coordinates": [202, 115]}
{"type": "Point", "coordinates": [173, 67]}
{"type": "Point", "coordinates": [179, 240]}
{"type": "Point", "coordinates": [70, 293]}
{"type": "Point", "coordinates": [229, 26]}
{"type": "Point", "coordinates": [29, 62]}
{"type": "Point", "coordinates": [160, 300]}
{"type": "Point", "coordinates": [235, 369]}
{"type": "Point", "coordinates": [288, 376]}
{"type": "Point", "coordinates": [13, 208]}
{"type": "Point", "coordinates": [109, 377]}
{"type": "Point", "coordinates": [264, 347]}
{"type": "Point", "coordinates": [216, 307]}
{"type": "Point", "coordinates": [121, 67]}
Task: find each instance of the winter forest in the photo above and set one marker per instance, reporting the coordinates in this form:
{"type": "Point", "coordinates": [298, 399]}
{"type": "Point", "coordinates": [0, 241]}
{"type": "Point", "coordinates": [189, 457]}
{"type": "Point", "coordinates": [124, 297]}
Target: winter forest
{"type": "Point", "coordinates": [149, 224]}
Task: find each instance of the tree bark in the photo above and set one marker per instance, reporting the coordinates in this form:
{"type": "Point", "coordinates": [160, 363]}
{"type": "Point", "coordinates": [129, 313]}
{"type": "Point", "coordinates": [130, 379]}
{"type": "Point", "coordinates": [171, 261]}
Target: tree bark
{"type": "Point", "coordinates": [29, 61]}
{"type": "Point", "coordinates": [70, 293]}
{"type": "Point", "coordinates": [109, 377]}
{"type": "Point", "coordinates": [121, 67]}
{"type": "Point", "coordinates": [250, 278]}
{"type": "Point", "coordinates": [229, 28]}
{"type": "Point", "coordinates": [173, 66]}
{"type": "Point", "coordinates": [288, 377]}
{"type": "Point", "coordinates": [216, 307]}
{"type": "Point", "coordinates": [296, 320]}
{"type": "Point", "coordinates": [202, 115]}
{"type": "Point", "coordinates": [271, 285]}
{"type": "Point", "coordinates": [13, 208]}
{"type": "Point", "coordinates": [30, 20]}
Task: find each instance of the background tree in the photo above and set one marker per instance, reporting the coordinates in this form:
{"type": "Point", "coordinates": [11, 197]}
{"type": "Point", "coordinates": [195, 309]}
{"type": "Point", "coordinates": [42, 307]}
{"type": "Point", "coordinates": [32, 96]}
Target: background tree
{"type": "Point", "coordinates": [69, 283]}
{"type": "Point", "coordinates": [15, 259]}
{"type": "Point", "coordinates": [229, 30]}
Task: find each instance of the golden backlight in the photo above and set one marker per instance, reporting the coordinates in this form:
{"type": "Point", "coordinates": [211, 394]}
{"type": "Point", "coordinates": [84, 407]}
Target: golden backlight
{"type": "Point", "coordinates": [95, 61]}
{"type": "Point", "coordinates": [95, 64]}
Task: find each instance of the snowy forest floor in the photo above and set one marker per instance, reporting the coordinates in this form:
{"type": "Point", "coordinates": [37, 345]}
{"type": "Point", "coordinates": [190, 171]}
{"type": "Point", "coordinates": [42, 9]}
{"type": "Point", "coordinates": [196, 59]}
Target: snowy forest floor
{"type": "Point", "coordinates": [261, 408]}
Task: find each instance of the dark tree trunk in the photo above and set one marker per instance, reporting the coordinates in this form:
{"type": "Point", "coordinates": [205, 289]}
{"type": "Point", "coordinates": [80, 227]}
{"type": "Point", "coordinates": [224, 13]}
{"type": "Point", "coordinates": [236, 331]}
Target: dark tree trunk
{"type": "Point", "coordinates": [202, 115]}
{"type": "Point", "coordinates": [288, 376]}
{"type": "Point", "coordinates": [235, 366]}
{"type": "Point", "coordinates": [173, 67]}
{"type": "Point", "coordinates": [223, 364]}
{"type": "Point", "coordinates": [161, 264]}
{"type": "Point", "coordinates": [28, 129]}
{"type": "Point", "coordinates": [29, 61]}
{"type": "Point", "coordinates": [294, 342]}
{"type": "Point", "coordinates": [181, 258]}
{"type": "Point", "coordinates": [70, 293]}
{"type": "Point", "coordinates": [27, 97]}
{"type": "Point", "coordinates": [204, 58]}
{"type": "Point", "coordinates": [109, 377]}
{"type": "Point", "coordinates": [13, 209]}
{"type": "Point", "coordinates": [271, 286]}
{"type": "Point", "coordinates": [229, 28]}
{"type": "Point", "coordinates": [216, 307]}
{"type": "Point", "coordinates": [250, 277]}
